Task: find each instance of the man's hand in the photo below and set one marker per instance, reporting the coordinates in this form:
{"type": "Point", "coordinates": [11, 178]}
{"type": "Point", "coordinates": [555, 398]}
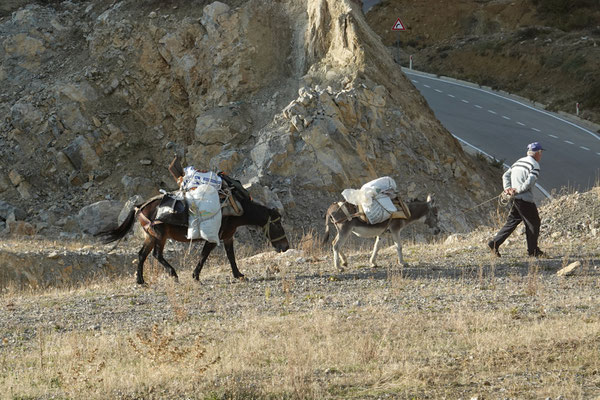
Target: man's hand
{"type": "Point", "coordinates": [510, 191]}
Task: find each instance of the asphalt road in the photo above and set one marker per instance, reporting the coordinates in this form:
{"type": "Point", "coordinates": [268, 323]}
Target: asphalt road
{"type": "Point", "coordinates": [501, 127]}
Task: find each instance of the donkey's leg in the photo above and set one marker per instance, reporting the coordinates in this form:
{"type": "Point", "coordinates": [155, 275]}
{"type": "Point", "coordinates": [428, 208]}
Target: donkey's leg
{"type": "Point", "coordinates": [376, 247]}
{"type": "Point", "coordinates": [158, 254]}
{"type": "Point", "coordinates": [231, 256]}
{"type": "Point", "coordinates": [142, 255]}
{"type": "Point", "coordinates": [336, 253]}
{"type": "Point", "coordinates": [396, 237]}
{"type": "Point", "coordinates": [208, 247]}
{"type": "Point", "coordinates": [338, 242]}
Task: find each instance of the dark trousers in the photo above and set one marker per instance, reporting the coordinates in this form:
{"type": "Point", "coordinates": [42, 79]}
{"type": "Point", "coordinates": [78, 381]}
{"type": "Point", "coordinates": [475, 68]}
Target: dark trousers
{"type": "Point", "coordinates": [526, 212]}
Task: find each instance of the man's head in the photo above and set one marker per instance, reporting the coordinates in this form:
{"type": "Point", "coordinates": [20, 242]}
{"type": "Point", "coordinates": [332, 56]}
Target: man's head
{"type": "Point", "coordinates": [535, 150]}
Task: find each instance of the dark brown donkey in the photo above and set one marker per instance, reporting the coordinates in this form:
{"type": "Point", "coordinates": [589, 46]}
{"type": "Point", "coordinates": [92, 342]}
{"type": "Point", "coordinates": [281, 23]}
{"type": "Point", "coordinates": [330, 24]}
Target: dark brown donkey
{"type": "Point", "coordinates": [158, 233]}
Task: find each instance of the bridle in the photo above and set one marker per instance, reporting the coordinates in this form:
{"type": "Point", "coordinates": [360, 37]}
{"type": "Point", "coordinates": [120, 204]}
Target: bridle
{"type": "Point", "coordinates": [267, 230]}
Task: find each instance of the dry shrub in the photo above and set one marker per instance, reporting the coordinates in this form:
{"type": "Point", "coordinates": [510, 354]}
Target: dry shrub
{"type": "Point", "coordinates": [311, 245]}
{"type": "Point", "coordinates": [533, 278]}
{"type": "Point", "coordinates": [161, 346]}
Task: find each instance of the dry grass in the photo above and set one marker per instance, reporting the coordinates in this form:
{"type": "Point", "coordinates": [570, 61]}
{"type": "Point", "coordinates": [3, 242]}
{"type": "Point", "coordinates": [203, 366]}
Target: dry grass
{"type": "Point", "coordinates": [456, 323]}
{"type": "Point", "coordinates": [319, 355]}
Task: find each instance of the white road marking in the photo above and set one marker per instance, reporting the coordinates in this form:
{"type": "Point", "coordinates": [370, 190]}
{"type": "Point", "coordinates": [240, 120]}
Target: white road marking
{"type": "Point", "coordinates": [415, 81]}
{"type": "Point", "coordinates": [427, 86]}
{"type": "Point", "coordinates": [426, 76]}
{"type": "Point", "coordinates": [520, 123]}
{"type": "Point", "coordinates": [478, 106]}
{"type": "Point", "coordinates": [492, 111]}
{"type": "Point", "coordinates": [566, 141]}
{"type": "Point", "coordinates": [438, 90]}
{"type": "Point", "coordinates": [451, 95]}
{"type": "Point", "coordinates": [505, 117]}
{"type": "Point", "coordinates": [535, 129]}
{"type": "Point", "coordinates": [584, 148]}
{"type": "Point", "coordinates": [554, 136]}
{"type": "Point", "coordinates": [465, 101]}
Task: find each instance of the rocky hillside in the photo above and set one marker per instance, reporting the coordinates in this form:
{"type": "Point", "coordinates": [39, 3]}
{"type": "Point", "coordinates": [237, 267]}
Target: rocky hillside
{"type": "Point", "coordinates": [544, 50]}
{"type": "Point", "coordinates": [298, 99]}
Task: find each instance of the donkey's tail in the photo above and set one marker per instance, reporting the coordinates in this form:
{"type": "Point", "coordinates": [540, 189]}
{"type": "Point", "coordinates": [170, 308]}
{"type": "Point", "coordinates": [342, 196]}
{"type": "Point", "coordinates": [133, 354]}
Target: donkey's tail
{"type": "Point", "coordinates": [120, 232]}
{"type": "Point", "coordinates": [327, 218]}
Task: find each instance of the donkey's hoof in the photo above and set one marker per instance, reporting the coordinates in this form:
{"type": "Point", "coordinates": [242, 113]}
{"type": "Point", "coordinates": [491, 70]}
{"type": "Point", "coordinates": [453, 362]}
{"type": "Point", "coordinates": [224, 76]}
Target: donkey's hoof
{"type": "Point", "coordinates": [241, 278]}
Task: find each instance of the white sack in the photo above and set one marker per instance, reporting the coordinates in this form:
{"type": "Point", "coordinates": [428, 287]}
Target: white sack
{"type": "Point", "coordinates": [358, 196]}
{"type": "Point", "coordinates": [383, 185]}
{"type": "Point", "coordinates": [204, 213]}
{"type": "Point", "coordinates": [380, 209]}
{"type": "Point", "coordinates": [375, 198]}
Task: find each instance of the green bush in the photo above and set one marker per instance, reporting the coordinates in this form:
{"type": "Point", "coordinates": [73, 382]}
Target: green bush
{"type": "Point", "coordinates": [592, 95]}
{"type": "Point", "coordinates": [553, 60]}
{"type": "Point", "coordinates": [579, 19]}
{"type": "Point", "coordinates": [554, 6]}
{"type": "Point", "coordinates": [569, 15]}
{"type": "Point", "coordinates": [573, 64]}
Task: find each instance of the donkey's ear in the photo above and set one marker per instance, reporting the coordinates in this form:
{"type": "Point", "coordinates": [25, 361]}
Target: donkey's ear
{"type": "Point", "coordinates": [430, 199]}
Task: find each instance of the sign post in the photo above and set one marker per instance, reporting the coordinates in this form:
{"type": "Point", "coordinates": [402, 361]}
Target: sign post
{"type": "Point", "coordinates": [410, 65]}
{"type": "Point", "coordinates": [399, 26]}
{"type": "Point", "coordinates": [577, 109]}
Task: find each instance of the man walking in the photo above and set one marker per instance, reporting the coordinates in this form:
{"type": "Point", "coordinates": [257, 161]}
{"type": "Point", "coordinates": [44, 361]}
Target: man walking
{"type": "Point", "coordinates": [518, 182]}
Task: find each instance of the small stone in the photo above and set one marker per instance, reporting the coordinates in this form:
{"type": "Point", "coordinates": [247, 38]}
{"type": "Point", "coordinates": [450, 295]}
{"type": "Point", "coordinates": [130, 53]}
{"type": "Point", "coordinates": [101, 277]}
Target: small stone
{"type": "Point", "coordinates": [569, 269]}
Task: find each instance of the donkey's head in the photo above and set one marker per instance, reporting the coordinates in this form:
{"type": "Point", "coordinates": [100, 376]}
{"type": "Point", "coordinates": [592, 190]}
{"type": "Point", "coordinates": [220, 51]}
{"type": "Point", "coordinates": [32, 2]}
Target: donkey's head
{"type": "Point", "coordinates": [274, 232]}
{"type": "Point", "coordinates": [431, 216]}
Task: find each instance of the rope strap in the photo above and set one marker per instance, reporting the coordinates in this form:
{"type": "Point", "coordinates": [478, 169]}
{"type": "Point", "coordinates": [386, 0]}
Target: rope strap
{"type": "Point", "coordinates": [267, 230]}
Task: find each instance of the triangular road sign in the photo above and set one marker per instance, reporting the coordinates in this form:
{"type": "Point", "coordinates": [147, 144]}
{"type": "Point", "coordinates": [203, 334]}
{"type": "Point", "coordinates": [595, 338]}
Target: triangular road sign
{"type": "Point", "coordinates": [399, 26]}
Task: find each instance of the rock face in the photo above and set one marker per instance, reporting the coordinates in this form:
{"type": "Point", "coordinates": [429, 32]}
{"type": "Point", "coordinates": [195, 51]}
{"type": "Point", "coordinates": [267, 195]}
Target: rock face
{"type": "Point", "coordinates": [298, 98]}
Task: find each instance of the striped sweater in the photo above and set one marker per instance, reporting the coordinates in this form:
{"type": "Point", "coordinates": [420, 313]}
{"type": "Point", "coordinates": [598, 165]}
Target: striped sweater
{"type": "Point", "coordinates": [522, 176]}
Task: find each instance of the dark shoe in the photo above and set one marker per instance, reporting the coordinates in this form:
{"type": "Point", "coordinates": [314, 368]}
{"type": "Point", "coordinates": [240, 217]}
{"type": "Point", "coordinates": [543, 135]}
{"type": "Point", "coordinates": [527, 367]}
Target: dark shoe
{"type": "Point", "coordinates": [537, 253]}
{"type": "Point", "coordinates": [493, 248]}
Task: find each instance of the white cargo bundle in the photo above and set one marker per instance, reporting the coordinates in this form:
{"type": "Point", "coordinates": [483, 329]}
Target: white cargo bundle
{"type": "Point", "coordinates": [384, 185]}
{"type": "Point", "coordinates": [204, 213]}
{"type": "Point", "coordinates": [375, 199]}
{"type": "Point", "coordinates": [193, 178]}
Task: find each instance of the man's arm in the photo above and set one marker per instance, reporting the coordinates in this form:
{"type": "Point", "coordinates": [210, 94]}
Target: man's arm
{"type": "Point", "coordinates": [529, 181]}
{"type": "Point", "coordinates": [507, 183]}
{"type": "Point", "coordinates": [506, 179]}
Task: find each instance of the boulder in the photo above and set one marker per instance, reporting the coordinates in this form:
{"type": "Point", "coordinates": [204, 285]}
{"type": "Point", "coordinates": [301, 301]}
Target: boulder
{"type": "Point", "coordinates": [100, 216]}
{"type": "Point", "coordinates": [6, 210]}
{"type": "Point", "coordinates": [141, 186]}
{"type": "Point", "coordinates": [82, 155]}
